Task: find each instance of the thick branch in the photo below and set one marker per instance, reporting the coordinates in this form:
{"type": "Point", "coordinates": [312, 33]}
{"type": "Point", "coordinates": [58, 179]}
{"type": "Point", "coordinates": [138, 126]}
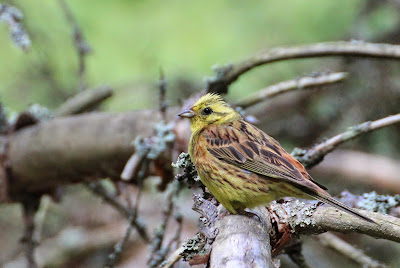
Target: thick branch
{"type": "Point", "coordinates": [306, 82]}
{"type": "Point", "coordinates": [242, 241]}
{"type": "Point", "coordinates": [306, 219]}
{"type": "Point", "coordinates": [226, 75]}
{"type": "Point", "coordinates": [70, 149]}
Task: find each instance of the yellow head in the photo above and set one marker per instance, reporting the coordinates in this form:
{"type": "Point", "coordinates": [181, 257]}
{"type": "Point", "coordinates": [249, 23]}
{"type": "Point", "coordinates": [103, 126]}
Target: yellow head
{"type": "Point", "coordinates": [209, 109]}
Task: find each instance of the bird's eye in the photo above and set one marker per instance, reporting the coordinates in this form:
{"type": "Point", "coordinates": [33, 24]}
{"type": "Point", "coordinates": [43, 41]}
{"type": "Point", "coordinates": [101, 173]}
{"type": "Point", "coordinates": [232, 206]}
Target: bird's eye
{"type": "Point", "coordinates": [207, 111]}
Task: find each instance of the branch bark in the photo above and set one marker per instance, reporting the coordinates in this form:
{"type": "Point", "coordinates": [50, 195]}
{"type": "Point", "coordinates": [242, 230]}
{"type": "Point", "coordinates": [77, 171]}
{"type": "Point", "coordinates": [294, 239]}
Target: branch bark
{"type": "Point", "coordinates": [242, 242]}
{"type": "Point", "coordinates": [344, 248]}
{"type": "Point", "coordinates": [71, 149]}
{"type": "Point", "coordinates": [226, 75]}
{"type": "Point", "coordinates": [316, 154]}
{"type": "Point", "coordinates": [304, 218]}
{"type": "Point", "coordinates": [306, 82]}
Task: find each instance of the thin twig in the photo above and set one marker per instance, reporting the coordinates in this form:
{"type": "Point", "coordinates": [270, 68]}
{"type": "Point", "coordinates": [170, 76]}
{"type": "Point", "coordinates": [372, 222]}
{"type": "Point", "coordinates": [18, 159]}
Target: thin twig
{"type": "Point", "coordinates": [315, 155]}
{"type": "Point", "coordinates": [173, 258]}
{"type": "Point", "coordinates": [99, 190]}
{"type": "Point", "coordinates": [306, 82]}
{"type": "Point", "coordinates": [81, 45]}
{"type": "Point", "coordinates": [332, 241]}
{"type": "Point", "coordinates": [159, 253]}
{"type": "Point", "coordinates": [118, 248]}
{"type": "Point", "coordinates": [226, 75]}
{"type": "Point", "coordinates": [163, 89]}
{"type": "Point", "coordinates": [30, 206]}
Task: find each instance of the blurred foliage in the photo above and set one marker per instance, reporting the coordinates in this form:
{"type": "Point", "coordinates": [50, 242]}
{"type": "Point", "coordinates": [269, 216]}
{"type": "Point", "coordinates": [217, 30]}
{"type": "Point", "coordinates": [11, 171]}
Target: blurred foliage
{"type": "Point", "coordinates": [132, 39]}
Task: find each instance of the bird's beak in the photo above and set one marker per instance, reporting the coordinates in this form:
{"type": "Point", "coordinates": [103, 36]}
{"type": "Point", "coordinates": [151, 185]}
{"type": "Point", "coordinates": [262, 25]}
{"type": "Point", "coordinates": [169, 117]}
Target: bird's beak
{"type": "Point", "coordinates": [187, 113]}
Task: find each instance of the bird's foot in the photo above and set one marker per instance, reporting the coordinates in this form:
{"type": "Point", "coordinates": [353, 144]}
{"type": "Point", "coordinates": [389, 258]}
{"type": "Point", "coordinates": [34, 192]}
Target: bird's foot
{"type": "Point", "coordinates": [249, 213]}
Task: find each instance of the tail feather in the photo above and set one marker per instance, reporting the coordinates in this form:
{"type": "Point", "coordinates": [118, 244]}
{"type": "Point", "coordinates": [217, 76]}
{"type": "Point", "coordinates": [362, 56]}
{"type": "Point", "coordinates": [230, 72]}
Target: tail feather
{"type": "Point", "coordinates": [327, 199]}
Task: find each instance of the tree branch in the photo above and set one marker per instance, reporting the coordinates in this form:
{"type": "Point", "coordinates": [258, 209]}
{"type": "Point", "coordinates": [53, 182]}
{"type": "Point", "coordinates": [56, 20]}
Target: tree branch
{"type": "Point", "coordinates": [332, 241]}
{"type": "Point", "coordinates": [71, 149]}
{"type": "Point", "coordinates": [315, 155]}
{"type": "Point", "coordinates": [303, 218]}
{"type": "Point", "coordinates": [84, 100]}
{"type": "Point", "coordinates": [305, 82]}
{"type": "Point", "coordinates": [81, 45]}
{"type": "Point", "coordinates": [226, 75]}
{"type": "Point", "coordinates": [242, 242]}
{"type": "Point", "coordinates": [134, 220]}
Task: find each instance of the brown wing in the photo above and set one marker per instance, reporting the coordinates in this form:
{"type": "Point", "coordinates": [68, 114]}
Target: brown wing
{"type": "Point", "coordinates": [243, 145]}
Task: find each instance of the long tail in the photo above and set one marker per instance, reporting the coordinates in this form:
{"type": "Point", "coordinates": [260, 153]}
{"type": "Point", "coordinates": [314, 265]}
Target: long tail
{"type": "Point", "coordinates": [327, 199]}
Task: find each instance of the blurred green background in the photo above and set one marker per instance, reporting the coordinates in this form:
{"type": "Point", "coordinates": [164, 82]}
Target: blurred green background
{"type": "Point", "coordinates": [132, 39]}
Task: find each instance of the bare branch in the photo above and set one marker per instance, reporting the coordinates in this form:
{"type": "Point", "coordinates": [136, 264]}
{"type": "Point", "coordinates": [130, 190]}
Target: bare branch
{"type": "Point", "coordinates": [115, 256]}
{"type": "Point", "coordinates": [99, 190]}
{"type": "Point", "coordinates": [306, 82]}
{"type": "Point", "coordinates": [84, 101]}
{"type": "Point", "coordinates": [242, 242]}
{"type": "Point", "coordinates": [226, 75]}
{"type": "Point", "coordinates": [163, 90]}
{"type": "Point", "coordinates": [81, 45]}
{"type": "Point", "coordinates": [159, 253]}
{"type": "Point", "coordinates": [332, 241]}
{"type": "Point", "coordinates": [315, 155]}
{"type": "Point", "coordinates": [303, 218]}
{"type": "Point", "coordinates": [98, 146]}
{"type": "Point", "coordinates": [81, 242]}
{"type": "Point", "coordinates": [30, 207]}
{"type": "Point", "coordinates": [173, 258]}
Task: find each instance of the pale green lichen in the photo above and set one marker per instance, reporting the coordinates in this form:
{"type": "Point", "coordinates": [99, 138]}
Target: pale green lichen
{"type": "Point", "coordinates": [157, 144]}
{"type": "Point", "coordinates": [300, 214]}
{"type": "Point", "coordinates": [378, 203]}
{"type": "Point", "coordinates": [189, 173]}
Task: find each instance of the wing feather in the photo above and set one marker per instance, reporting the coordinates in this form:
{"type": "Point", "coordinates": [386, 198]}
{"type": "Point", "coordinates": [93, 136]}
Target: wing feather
{"type": "Point", "coordinates": [247, 147]}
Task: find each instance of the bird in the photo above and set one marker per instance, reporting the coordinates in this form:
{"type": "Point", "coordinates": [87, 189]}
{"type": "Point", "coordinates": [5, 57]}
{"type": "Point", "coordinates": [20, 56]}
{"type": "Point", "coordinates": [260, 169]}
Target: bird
{"type": "Point", "coordinates": [241, 165]}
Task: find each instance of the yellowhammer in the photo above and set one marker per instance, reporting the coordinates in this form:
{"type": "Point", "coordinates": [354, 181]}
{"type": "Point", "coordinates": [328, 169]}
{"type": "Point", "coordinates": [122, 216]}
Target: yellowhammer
{"type": "Point", "coordinates": [241, 165]}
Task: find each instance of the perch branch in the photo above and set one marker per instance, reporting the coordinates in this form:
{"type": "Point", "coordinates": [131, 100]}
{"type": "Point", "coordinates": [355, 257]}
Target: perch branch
{"type": "Point", "coordinates": [315, 155]}
{"type": "Point", "coordinates": [332, 241]}
{"type": "Point", "coordinates": [306, 82]}
{"type": "Point", "coordinates": [242, 242]}
{"type": "Point", "coordinates": [308, 219]}
{"type": "Point", "coordinates": [226, 75]}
